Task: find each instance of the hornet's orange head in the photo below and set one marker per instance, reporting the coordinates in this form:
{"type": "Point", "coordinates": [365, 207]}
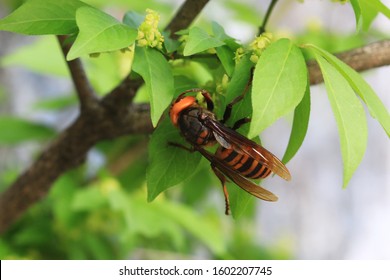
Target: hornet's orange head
{"type": "Point", "coordinates": [181, 103]}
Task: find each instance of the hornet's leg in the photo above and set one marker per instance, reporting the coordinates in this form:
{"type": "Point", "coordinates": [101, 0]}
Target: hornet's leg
{"type": "Point", "coordinates": [178, 145]}
{"type": "Point", "coordinates": [222, 178]}
{"type": "Point", "coordinates": [240, 122]}
{"type": "Point", "coordinates": [229, 107]}
{"type": "Point", "coordinates": [209, 101]}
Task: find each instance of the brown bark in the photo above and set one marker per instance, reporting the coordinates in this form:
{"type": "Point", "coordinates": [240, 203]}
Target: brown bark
{"type": "Point", "coordinates": [186, 15]}
{"type": "Point", "coordinates": [367, 57]}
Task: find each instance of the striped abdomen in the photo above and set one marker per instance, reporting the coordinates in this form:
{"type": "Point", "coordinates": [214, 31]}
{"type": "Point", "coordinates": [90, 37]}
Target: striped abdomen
{"type": "Point", "coordinates": [192, 128]}
{"type": "Point", "coordinates": [244, 164]}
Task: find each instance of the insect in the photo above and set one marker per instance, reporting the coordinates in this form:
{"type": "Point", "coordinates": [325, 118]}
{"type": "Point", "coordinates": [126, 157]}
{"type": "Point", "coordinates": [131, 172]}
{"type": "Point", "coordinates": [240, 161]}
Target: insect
{"type": "Point", "coordinates": [237, 157]}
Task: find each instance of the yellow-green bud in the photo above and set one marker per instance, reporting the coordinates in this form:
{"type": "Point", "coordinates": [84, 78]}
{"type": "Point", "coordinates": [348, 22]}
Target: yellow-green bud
{"type": "Point", "coordinates": [254, 58]}
{"type": "Point", "coordinates": [238, 55]}
{"type": "Point", "coordinates": [148, 33]}
{"type": "Point", "coordinates": [259, 44]}
{"type": "Point", "coordinates": [225, 81]}
{"type": "Point", "coordinates": [142, 43]}
{"type": "Point", "coordinates": [140, 35]}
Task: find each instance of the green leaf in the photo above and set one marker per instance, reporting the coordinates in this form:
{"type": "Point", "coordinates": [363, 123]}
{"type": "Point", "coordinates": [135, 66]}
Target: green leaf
{"type": "Point", "coordinates": [168, 165]}
{"type": "Point", "coordinates": [133, 19]}
{"type": "Point", "coordinates": [157, 74]}
{"type": "Point", "coordinates": [239, 200]}
{"type": "Point", "coordinates": [364, 14]}
{"type": "Point", "coordinates": [16, 130]}
{"type": "Point", "coordinates": [279, 83]}
{"type": "Point", "coordinates": [38, 17]}
{"type": "Point", "coordinates": [240, 78]}
{"type": "Point", "coordinates": [361, 87]}
{"type": "Point", "coordinates": [198, 187]}
{"type": "Point", "coordinates": [219, 33]}
{"type": "Point", "coordinates": [366, 11]}
{"type": "Point", "coordinates": [199, 41]}
{"type": "Point", "coordinates": [358, 13]}
{"type": "Point", "coordinates": [369, 13]}
{"type": "Point", "coordinates": [236, 87]}
{"type": "Point", "coordinates": [171, 45]}
{"type": "Point", "coordinates": [378, 6]}
{"type": "Point", "coordinates": [299, 127]}
{"type": "Point", "coordinates": [99, 32]}
{"type": "Point", "coordinates": [350, 117]}
{"type": "Point", "coordinates": [226, 56]}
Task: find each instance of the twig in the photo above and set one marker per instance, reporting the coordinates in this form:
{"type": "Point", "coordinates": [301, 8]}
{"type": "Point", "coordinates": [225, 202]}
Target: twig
{"type": "Point", "coordinates": [85, 92]}
{"type": "Point", "coordinates": [266, 17]}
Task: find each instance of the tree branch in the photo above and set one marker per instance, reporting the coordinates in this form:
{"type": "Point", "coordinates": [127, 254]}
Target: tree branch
{"type": "Point", "coordinates": [67, 151]}
{"type": "Point", "coordinates": [185, 15]}
{"type": "Point", "coordinates": [108, 118]}
{"type": "Point", "coordinates": [114, 116]}
{"type": "Point", "coordinates": [85, 92]}
{"type": "Point", "coordinates": [367, 57]}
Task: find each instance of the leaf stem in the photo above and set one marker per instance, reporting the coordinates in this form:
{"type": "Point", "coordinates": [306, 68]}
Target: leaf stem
{"type": "Point", "coordinates": [267, 15]}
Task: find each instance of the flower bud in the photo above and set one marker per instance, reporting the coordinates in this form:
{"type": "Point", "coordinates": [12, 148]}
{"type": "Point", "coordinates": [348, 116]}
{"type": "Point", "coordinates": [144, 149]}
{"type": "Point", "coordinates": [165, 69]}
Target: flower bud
{"type": "Point", "coordinates": [148, 33]}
